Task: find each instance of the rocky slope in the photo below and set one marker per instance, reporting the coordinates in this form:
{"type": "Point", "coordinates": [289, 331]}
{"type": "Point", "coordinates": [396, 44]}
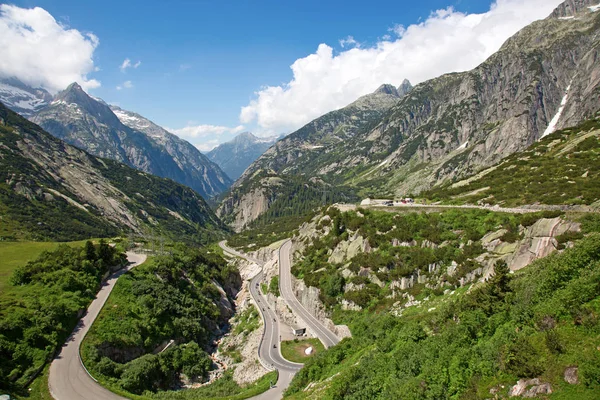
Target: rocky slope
{"type": "Point", "coordinates": [236, 155]}
{"type": "Point", "coordinates": [49, 189]}
{"type": "Point", "coordinates": [90, 124]}
{"type": "Point", "coordinates": [317, 140]}
{"type": "Point", "coordinates": [261, 184]}
{"type": "Point", "coordinates": [562, 169]}
{"type": "Point", "coordinates": [544, 78]}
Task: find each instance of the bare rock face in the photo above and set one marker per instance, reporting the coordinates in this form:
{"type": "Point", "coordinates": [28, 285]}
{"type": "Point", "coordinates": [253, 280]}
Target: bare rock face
{"type": "Point", "coordinates": [309, 297]}
{"type": "Point", "coordinates": [239, 212]}
{"type": "Point", "coordinates": [571, 8]}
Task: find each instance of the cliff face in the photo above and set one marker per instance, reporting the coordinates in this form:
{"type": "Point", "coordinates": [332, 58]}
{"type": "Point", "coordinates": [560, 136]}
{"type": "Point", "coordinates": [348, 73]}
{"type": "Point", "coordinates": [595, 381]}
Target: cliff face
{"type": "Point", "coordinates": [242, 211]}
{"type": "Point", "coordinates": [544, 78]}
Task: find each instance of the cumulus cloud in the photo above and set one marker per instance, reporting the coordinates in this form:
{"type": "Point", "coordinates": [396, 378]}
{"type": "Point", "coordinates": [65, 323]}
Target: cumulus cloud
{"type": "Point", "coordinates": [125, 85]}
{"type": "Point", "coordinates": [447, 41]}
{"type": "Point", "coordinates": [39, 51]}
{"type": "Point", "coordinates": [206, 137]}
{"type": "Point", "coordinates": [127, 64]}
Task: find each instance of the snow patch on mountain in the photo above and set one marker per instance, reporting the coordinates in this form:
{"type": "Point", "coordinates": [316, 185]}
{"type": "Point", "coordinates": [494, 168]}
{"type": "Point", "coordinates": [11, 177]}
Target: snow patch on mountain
{"type": "Point", "coordinates": [131, 120]}
{"type": "Point", "coordinates": [20, 100]}
{"type": "Point", "coordinates": [554, 122]}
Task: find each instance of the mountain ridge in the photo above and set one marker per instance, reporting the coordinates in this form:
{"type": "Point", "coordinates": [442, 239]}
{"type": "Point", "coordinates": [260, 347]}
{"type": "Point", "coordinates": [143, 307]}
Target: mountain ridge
{"type": "Point", "coordinates": [454, 125]}
{"type": "Point", "coordinates": [90, 124]}
{"type": "Point", "coordinates": [52, 190]}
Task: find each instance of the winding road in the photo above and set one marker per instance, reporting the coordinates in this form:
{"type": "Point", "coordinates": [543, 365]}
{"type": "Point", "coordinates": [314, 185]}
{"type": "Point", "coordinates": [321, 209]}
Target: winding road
{"type": "Point", "coordinates": [68, 378]}
{"type": "Point", "coordinates": [269, 351]}
{"type": "Point", "coordinates": [285, 287]}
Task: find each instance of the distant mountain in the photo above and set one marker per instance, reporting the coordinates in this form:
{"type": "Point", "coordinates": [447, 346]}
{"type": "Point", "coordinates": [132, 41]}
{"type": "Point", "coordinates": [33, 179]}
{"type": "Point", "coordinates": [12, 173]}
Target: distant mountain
{"type": "Point", "coordinates": [51, 190]}
{"type": "Point", "coordinates": [236, 155]}
{"type": "Point", "coordinates": [201, 172]}
{"type": "Point", "coordinates": [321, 138]}
{"type": "Point", "coordinates": [90, 124]}
{"type": "Point", "coordinates": [22, 98]}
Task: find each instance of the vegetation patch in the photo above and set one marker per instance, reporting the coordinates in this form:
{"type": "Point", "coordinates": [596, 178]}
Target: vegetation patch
{"type": "Point", "coordinates": [295, 350]}
{"type": "Point", "coordinates": [17, 254]}
{"type": "Point", "coordinates": [532, 324]}
{"type": "Point", "coordinates": [224, 388]}
{"type": "Point", "coordinates": [159, 322]}
{"type": "Point", "coordinates": [562, 168]}
{"type": "Point", "coordinates": [42, 303]}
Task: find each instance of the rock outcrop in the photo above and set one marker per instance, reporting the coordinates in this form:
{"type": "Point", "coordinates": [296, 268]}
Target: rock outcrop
{"type": "Point", "coordinates": [530, 388]}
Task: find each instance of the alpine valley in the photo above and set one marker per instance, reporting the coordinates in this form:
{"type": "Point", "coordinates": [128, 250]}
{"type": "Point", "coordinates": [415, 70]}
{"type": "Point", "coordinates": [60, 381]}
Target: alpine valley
{"type": "Point", "coordinates": [431, 241]}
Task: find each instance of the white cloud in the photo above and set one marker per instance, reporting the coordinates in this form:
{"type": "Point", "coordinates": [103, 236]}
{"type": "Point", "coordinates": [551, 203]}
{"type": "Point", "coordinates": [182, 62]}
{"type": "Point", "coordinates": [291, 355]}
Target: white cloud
{"type": "Point", "coordinates": [184, 67]}
{"type": "Point", "coordinates": [447, 41]}
{"type": "Point", "coordinates": [207, 137]}
{"type": "Point", "coordinates": [125, 85]}
{"type": "Point", "coordinates": [38, 50]}
{"type": "Point", "coordinates": [127, 64]}
{"type": "Point", "coordinates": [349, 42]}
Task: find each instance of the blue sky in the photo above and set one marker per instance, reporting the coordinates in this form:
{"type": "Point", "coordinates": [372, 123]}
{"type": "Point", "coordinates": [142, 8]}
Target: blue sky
{"type": "Point", "coordinates": [200, 62]}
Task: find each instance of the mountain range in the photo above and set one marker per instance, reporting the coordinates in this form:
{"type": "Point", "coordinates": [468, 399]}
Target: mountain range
{"type": "Point", "coordinates": [52, 190]}
{"type": "Point", "coordinates": [107, 131]}
{"type": "Point", "coordinates": [236, 155]}
{"type": "Point", "coordinates": [544, 78]}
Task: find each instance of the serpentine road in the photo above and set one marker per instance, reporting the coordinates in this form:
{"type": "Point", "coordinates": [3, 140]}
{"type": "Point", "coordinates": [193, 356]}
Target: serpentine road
{"type": "Point", "coordinates": [68, 379]}
{"type": "Point", "coordinates": [269, 352]}
{"type": "Point", "coordinates": [285, 287]}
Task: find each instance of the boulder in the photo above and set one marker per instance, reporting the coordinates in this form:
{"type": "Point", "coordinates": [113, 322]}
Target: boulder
{"type": "Point", "coordinates": [530, 388]}
{"type": "Point", "coordinates": [571, 375]}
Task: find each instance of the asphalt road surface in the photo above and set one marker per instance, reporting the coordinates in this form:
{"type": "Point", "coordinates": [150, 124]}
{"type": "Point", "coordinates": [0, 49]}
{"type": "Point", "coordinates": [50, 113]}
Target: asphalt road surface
{"type": "Point", "coordinates": [68, 379]}
{"type": "Point", "coordinates": [269, 350]}
{"type": "Point", "coordinates": [285, 287]}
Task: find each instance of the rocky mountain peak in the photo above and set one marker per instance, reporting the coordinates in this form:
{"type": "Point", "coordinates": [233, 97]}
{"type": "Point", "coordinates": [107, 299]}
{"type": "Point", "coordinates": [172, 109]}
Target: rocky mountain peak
{"type": "Point", "coordinates": [74, 94]}
{"type": "Point", "coordinates": [404, 88]}
{"type": "Point", "coordinates": [571, 8]}
{"type": "Point", "coordinates": [245, 136]}
{"type": "Point", "coordinates": [386, 88]}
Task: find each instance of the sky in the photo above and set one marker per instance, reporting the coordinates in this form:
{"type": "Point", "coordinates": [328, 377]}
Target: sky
{"type": "Point", "coordinates": [208, 70]}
